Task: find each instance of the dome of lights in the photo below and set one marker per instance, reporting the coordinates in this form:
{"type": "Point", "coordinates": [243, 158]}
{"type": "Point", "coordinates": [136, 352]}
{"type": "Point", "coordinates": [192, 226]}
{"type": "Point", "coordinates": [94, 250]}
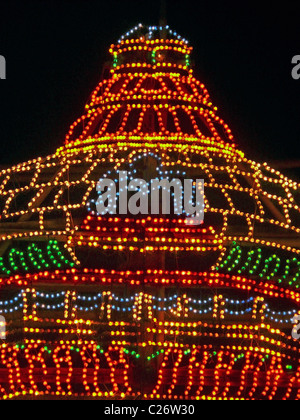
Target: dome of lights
{"type": "Point", "coordinates": [149, 307]}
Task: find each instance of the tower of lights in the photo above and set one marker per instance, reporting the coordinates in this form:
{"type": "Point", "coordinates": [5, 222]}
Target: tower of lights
{"type": "Point", "coordinates": [110, 306]}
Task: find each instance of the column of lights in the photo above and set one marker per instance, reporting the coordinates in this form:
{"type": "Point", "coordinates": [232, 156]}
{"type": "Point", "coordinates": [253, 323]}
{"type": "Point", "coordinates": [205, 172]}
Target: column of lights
{"type": "Point", "coordinates": [69, 303]}
{"type": "Point", "coordinates": [270, 374]}
{"type": "Point", "coordinates": [137, 307]}
{"type": "Point", "coordinates": [175, 374]}
{"type": "Point", "coordinates": [108, 305]}
{"type": "Point", "coordinates": [259, 365]}
{"type": "Point", "coordinates": [190, 373]}
{"type": "Point", "coordinates": [25, 302]}
{"type": "Point", "coordinates": [244, 371]}
{"type": "Point", "coordinates": [228, 368]}
{"type": "Point", "coordinates": [91, 360]}
{"type": "Point", "coordinates": [257, 371]}
{"type": "Point", "coordinates": [32, 358]}
{"type": "Point", "coordinates": [293, 380]}
{"type": "Point", "coordinates": [148, 299]}
{"type": "Point", "coordinates": [219, 310]}
{"type": "Point", "coordinates": [33, 305]}
{"type": "Point", "coordinates": [65, 360]}
{"type": "Point", "coordinates": [259, 309]}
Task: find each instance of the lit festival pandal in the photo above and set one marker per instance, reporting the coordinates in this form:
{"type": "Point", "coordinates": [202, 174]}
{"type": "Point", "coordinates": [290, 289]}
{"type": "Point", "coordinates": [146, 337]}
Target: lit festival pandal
{"type": "Point", "coordinates": [149, 307]}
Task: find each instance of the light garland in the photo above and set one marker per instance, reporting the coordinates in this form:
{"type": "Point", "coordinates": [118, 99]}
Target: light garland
{"type": "Point", "coordinates": [255, 265]}
{"type": "Point", "coordinates": [176, 306]}
{"type": "Point", "coordinates": [156, 278]}
{"type": "Point", "coordinates": [34, 258]}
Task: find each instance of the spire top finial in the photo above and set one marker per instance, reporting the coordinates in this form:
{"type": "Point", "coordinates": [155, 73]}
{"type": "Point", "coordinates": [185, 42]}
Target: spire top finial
{"type": "Point", "coordinates": [163, 13]}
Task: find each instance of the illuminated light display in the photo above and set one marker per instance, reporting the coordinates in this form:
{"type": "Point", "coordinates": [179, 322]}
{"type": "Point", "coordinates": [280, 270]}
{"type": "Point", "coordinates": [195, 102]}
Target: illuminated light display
{"type": "Point", "coordinates": [93, 303]}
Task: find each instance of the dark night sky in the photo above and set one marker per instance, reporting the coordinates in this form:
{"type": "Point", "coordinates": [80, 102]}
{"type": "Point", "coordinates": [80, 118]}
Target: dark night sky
{"type": "Point", "coordinates": [55, 51]}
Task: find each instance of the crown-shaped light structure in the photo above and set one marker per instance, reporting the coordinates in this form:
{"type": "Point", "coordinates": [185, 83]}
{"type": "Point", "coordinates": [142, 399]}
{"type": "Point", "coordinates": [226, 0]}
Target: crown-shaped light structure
{"type": "Point", "coordinates": [149, 307]}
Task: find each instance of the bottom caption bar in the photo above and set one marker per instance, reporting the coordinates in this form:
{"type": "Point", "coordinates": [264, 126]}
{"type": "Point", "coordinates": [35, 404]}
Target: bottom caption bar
{"type": "Point", "coordinates": [133, 409]}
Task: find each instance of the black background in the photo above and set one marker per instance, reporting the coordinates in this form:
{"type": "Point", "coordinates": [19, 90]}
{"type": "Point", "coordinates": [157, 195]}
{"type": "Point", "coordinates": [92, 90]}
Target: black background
{"type": "Point", "coordinates": [55, 51]}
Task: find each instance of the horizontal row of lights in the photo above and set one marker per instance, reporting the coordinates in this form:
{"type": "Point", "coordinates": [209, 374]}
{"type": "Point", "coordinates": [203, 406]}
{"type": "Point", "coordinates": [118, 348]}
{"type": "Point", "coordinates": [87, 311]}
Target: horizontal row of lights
{"type": "Point", "coordinates": [175, 305]}
{"type": "Point", "coordinates": [136, 31]}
